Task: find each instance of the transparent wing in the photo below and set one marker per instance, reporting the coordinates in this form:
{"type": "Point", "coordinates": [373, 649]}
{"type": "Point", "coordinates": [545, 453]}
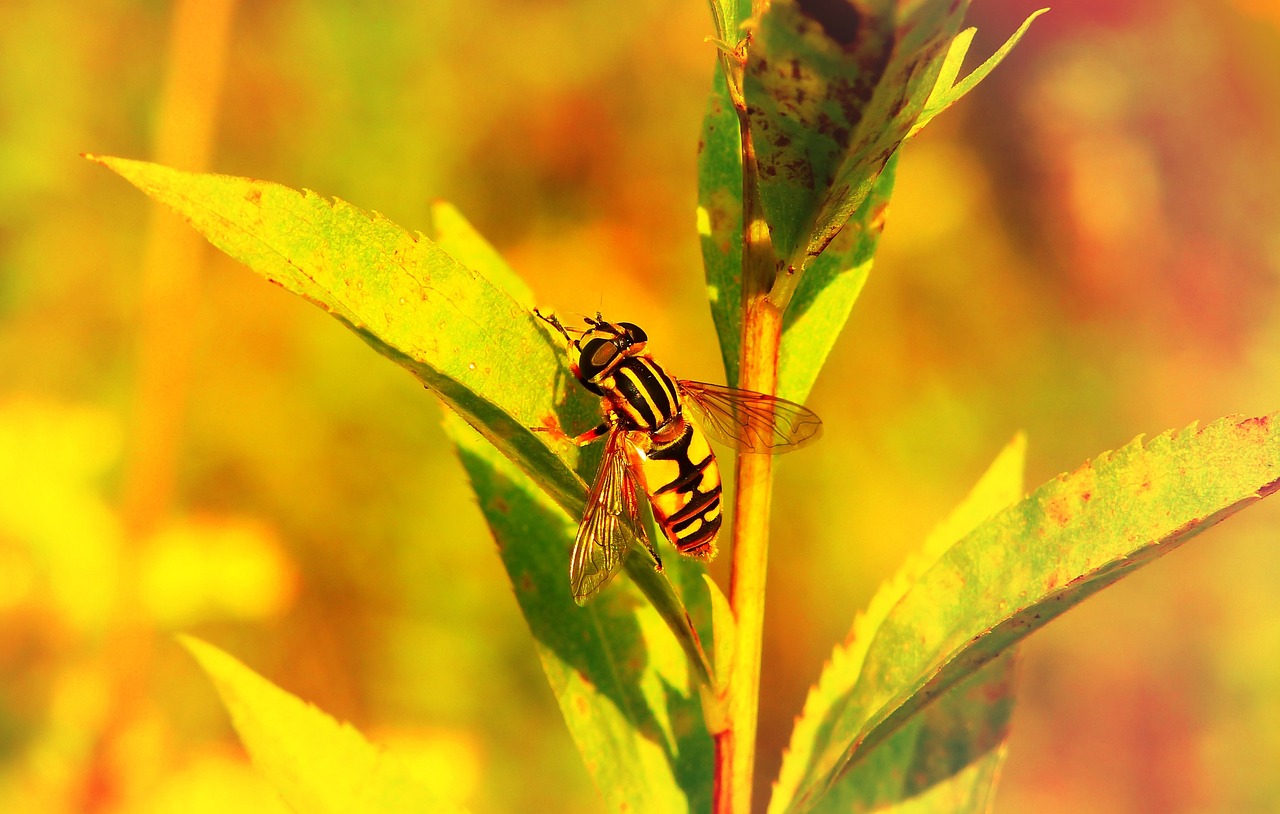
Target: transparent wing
{"type": "Point", "coordinates": [750, 421]}
{"type": "Point", "coordinates": [610, 525]}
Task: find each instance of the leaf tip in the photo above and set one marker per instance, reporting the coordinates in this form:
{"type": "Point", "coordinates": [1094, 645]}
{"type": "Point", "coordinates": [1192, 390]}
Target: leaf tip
{"type": "Point", "coordinates": [109, 161]}
{"type": "Point", "coordinates": [203, 652]}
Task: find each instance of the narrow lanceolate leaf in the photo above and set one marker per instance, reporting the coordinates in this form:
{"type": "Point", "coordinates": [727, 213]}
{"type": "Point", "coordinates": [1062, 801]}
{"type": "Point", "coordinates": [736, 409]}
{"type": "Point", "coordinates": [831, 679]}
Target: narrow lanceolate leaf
{"type": "Point", "coordinates": [464, 337]}
{"type": "Point", "coordinates": [832, 89]}
{"type": "Point", "coordinates": [720, 218]}
{"type": "Point", "coordinates": [826, 294]}
{"type": "Point", "coordinates": [613, 664]}
{"type": "Point", "coordinates": [726, 14]}
{"type": "Point", "coordinates": [627, 693]}
{"type": "Point", "coordinates": [946, 90]}
{"type": "Point", "coordinates": [946, 759]}
{"type": "Point", "coordinates": [315, 763]}
{"type": "Point", "coordinates": [463, 326]}
{"type": "Point", "coordinates": [455, 235]}
{"type": "Point", "coordinates": [1031, 562]}
{"type": "Point", "coordinates": [956, 746]}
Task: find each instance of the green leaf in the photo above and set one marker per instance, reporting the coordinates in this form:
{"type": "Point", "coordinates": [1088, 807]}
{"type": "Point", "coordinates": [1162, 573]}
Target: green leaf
{"type": "Point", "coordinates": [727, 16]}
{"type": "Point", "coordinates": [963, 728]}
{"type": "Point", "coordinates": [458, 238]}
{"type": "Point", "coordinates": [832, 89]}
{"type": "Point", "coordinates": [627, 693]}
{"type": "Point", "coordinates": [826, 293]}
{"type": "Point", "coordinates": [461, 335]}
{"type": "Point", "coordinates": [474, 343]}
{"type": "Point", "coordinates": [946, 91]}
{"type": "Point", "coordinates": [315, 763]}
{"type": "Point", "coordinates": [1033, 561]}
{"type": "Point", "coordinates": [720, 219]}
{"type": "Point", "coordinates": [945, 759]}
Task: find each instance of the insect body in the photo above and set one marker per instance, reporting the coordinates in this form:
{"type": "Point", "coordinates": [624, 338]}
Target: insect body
{"type": "Point", "coordinates": [653, 448]}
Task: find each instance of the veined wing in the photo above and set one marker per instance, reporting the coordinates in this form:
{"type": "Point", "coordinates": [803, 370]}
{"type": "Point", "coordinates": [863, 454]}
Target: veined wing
{"type": "Point", "coordinates": [750, 421]}
{"type": "Point", "coordinates": [610, 525]}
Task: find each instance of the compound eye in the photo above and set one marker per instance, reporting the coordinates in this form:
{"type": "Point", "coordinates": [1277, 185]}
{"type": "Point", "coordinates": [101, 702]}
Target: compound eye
{"type": "Point", "coordinates": [634, 333]}
{"type": "Point", "coordinates": [601, 355]}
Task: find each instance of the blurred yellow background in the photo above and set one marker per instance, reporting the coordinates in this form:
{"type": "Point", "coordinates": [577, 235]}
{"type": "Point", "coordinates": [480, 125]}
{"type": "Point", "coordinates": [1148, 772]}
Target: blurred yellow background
{"type": "Point", "coordinates": [1086, 248]}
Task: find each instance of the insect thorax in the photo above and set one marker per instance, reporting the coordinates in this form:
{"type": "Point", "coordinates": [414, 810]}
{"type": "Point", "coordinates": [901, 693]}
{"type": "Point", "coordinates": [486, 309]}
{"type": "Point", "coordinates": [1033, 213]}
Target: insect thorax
{"type": "Point", "coordinates": [642, 395]}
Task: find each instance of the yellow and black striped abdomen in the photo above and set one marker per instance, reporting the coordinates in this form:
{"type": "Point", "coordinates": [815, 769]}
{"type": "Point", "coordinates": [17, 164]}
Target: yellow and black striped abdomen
{"type": "Point", "coordinates": [682, 480]}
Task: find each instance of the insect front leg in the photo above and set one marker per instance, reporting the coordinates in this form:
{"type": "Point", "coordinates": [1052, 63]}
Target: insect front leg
{"type": "Point", "coordinates": [554, 322]}
{"type": "Point", "coordinates": [594, 434]}
{"type": "Point", "coordinates": [570, 343]}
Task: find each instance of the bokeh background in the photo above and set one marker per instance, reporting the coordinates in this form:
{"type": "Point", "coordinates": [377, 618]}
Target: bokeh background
{"type": "Point", "coordinates": [1085, 249]}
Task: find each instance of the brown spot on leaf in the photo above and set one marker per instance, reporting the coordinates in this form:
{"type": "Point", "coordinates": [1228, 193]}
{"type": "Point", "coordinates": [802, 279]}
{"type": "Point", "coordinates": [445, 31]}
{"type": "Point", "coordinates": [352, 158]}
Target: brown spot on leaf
{"type": "Point", "coordinates": [878, 217]}
{"type": "Point", "coordinates": [1262, 422]}
{"type": "Point", "coordinates": [551, 423]}
{"type": "Point", "coordinates": [254, 196]}
{"type": "Point", "coordinates": [1058, 511]}
{"type": "Point", "coordinates": [839, 19]}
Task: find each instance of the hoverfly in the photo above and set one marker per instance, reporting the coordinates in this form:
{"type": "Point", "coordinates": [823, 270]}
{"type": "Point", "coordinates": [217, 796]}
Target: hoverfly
{"type": "Point", "coordinates": [652, 448]}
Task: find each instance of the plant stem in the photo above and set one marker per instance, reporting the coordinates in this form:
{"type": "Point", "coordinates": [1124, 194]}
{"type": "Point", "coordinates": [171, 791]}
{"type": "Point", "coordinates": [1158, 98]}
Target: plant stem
{"type": "Point", "coordinates": [750, 565]}
{"type": "Point", "coordinates": [761, 334]}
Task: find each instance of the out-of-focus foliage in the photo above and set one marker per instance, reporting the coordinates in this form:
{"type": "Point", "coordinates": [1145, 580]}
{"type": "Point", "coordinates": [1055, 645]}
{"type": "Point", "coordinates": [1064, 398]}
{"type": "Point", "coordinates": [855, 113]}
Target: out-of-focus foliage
{"type": "Point", "coordinates": [315, 763]}
{"type": "Point", "coordinates": [1085, 249]}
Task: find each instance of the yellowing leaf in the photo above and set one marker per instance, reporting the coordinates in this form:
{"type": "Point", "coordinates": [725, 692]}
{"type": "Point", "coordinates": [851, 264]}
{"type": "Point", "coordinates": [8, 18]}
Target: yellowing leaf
{"type": "Point", "coordinates": [315, 763]}
{"type": "Point", "coordinates": [1000, 486]}
{"type": "Point", "coordinates": [1030, 563]}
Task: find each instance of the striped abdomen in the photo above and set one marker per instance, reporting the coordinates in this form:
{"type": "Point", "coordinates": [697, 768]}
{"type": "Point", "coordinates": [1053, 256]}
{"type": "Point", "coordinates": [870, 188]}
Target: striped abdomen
{"type": "Point", "coordinates": [682, 481]}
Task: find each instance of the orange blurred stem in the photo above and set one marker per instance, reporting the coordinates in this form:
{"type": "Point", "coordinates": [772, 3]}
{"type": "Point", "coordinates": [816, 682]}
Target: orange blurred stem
{"type": "Point", "coordinates": [198, 37]}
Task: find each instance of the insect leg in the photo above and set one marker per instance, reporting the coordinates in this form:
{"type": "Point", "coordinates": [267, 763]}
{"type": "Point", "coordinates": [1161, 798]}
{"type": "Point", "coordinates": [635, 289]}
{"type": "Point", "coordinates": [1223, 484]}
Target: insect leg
{"type": "Point", "coordinates": [599, 431]}
{"type": "Point", "coordinates": [595, 433]}
{"type": "Point", "coordinates": [554, 323]}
